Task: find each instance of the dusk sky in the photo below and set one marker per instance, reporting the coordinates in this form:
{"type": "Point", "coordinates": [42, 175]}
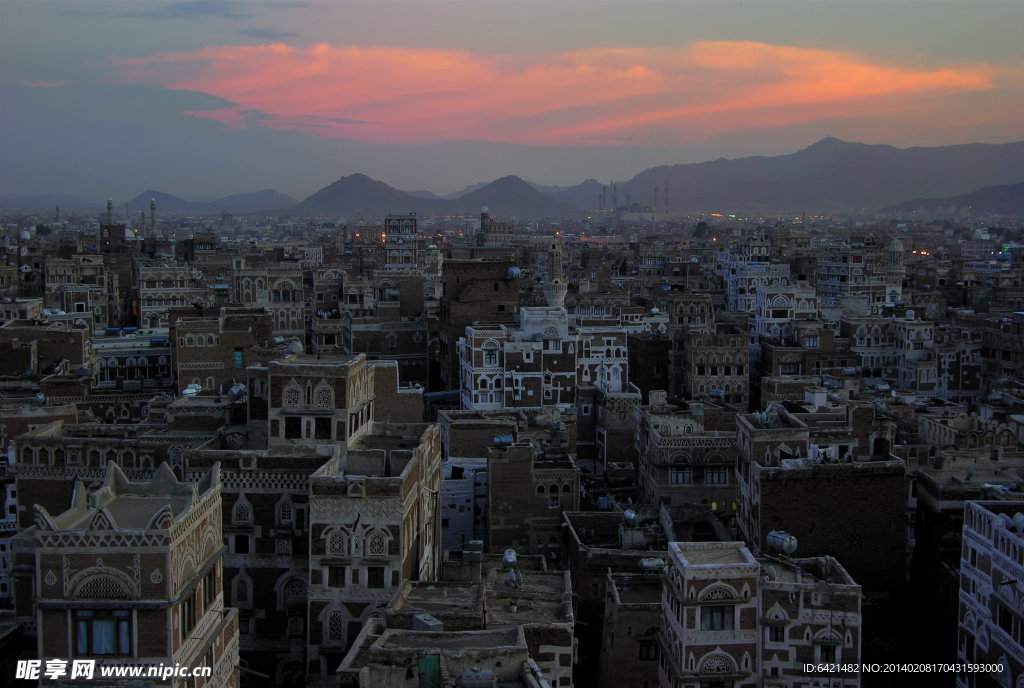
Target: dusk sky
{"type": "Point", "coordinates": [210, 97]}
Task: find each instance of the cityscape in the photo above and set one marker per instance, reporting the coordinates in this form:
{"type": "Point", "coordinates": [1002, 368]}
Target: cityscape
{"type": "Point", "coordinates": [528, 345]}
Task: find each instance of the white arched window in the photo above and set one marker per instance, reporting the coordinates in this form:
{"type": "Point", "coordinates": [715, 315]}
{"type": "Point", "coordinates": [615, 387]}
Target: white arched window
{"type": "Point", "coordinates": [376, 544]}
{"type": "Point", "coordinates": [242, 513]}
{"type": "Point", "coordinates": [324, 396]}
{"type": "Point", "coordinates": [335, 626]}
{"type": "Point", "coordinates": [292, 396]}
{"type": "Point", "coordinates": [337, 543]}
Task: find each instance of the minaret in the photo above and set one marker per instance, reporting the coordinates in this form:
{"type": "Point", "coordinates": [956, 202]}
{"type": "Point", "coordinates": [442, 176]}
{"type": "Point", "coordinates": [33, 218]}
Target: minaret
{"type": "Point", "coordinates": [110, 211]}
{"type": "Point", "coordinates": [152, 217]}
{"type": "Point", "coordinates": [555, 289]}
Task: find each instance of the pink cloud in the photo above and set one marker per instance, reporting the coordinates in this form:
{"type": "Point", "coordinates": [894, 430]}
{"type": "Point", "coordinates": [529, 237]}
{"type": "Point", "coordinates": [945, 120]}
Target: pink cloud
{"type": "Point", "coordinates": [660, 95]}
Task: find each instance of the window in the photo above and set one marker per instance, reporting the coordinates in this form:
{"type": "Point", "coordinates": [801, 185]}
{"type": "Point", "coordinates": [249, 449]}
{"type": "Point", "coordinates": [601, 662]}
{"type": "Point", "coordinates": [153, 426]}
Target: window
{"type": "Point", "coordinates": [648, 651]}
{"type": "Point", "coordinates": [376, 545]}
{"type": "Point", "coordinates": [208, 589]}
{"type": "Point", "coordinates": [375, 577]}
{"type": "Point", "coordinates": [336, 576]}
{"type": "Point", "coordinates": [292, 397]}
{"type": "Point", "coordinates": [322, 427]}
{"type": "Point", "coordinates": [292, 428]}
{"type": "Point", "coordinates": [103, 632]}
{"type": "Point", "coordinates": [324, 397]}
{"type": "Point", "coordinates": [490, 354]}
{"type": "Point", "coordinates": [680, 476]}
{"type": "Point", "coordinates": [335, 627]}
{"type": "Point", "coordinates": [242, 514]}
{"type": "Point", "coordinates": [241, 544]}
{"type": "Point", "coordinates": [285, 513]}
{"type": "Point", "coordinates": [337, 544]}
{"type": "Point", "coordinates": [777, 634]}
{"type": "Point", "coordinates": [719, 617]}
{"type": "Point", "coordinates": [188, 616]}
{"type": "Point", "coordinates": [716, 476]}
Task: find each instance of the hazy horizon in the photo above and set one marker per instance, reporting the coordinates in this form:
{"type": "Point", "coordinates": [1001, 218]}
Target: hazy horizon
{"type": "Point", "coordinates": [207, 98]}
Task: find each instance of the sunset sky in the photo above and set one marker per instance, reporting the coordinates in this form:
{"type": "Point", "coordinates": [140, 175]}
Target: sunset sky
{"type": "Point", "coordinates": [209, 97]}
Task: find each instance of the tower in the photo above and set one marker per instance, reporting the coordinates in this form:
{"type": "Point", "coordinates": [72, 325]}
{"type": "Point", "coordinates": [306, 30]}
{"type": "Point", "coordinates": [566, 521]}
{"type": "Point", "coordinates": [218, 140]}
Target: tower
{"type": "Point", "coordinates": [555, 289]}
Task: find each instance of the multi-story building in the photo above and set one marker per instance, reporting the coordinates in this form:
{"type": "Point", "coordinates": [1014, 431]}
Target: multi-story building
{"type": "Point", "coordinates": [132, 574]}
{"type": "Point", "coordinates": [731, 620]}
{"type": "Point", "coordinates": [544, 362]}
{"type": "Point", "coordinates": [528, 489]}
{"type": "Point", "coordinates": [374, 522]}
{"type": "Point", "coordinates": [474, 291]}
{"type": "Point", "coordinates": [813, 473]}
{"type": "Point", "coordinates": [687, 454]}
{"type": "Point", "coordinates": [161, 287]}
{"type": "Point", "coordinates": [990, 630]}
{"type": "Point", "coordinates": [213, 352]}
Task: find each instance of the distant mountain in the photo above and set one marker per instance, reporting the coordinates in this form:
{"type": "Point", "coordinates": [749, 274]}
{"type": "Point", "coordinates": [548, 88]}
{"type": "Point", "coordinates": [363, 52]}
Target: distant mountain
{"type": "Point", "coordinates": [166, 204]}
{"type": "Point", "coordinates": [255, 202]}
{"type": "Point", "coordinates": [512, 196]}
{"type": "Point", "coordinates": [359, 195]}
{"type": "Point", "coordinates": [991, 200]}
{"type": "Point", "coordinates": [423, 194]}
{"type": "Point", "coordinates": [583, 195]}
{"type": "Point", "coordinates": [829, 176]}
{"type": "Point", "coordinates": [48, 203]}
{"type": "Point", "coordinates": [469, 189]}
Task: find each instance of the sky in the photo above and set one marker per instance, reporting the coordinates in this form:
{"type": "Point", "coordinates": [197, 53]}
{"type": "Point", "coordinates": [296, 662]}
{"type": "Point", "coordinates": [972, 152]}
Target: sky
{"type": "Point", "coordinates": [203, 98]}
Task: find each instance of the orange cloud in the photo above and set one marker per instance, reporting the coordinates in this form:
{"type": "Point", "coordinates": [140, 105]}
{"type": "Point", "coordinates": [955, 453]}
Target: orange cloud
{"type": "Point", "coordinates": [661, 95]}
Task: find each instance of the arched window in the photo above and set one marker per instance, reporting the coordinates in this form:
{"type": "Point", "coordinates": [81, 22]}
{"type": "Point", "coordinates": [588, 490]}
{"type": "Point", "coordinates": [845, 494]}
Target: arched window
{"type": "Point", "coordinates": [241, 589]}
{"type": "Point", "coordinates": [285, 513]}
{"type": "Point", "coordinates": [294, 592]}
{"type": "Point", "coordinates": [490, 353]}
{"type": "Point", "coordinates": [337, 543]}
{"type": "Point", "coordinates": [376, 544]}
{"type": "Point", "coordinates": [292, 396]}
{"type": "Point", "coordinates": [324, 396]}
{"type": "Point", "coordinates": [335, 626]}
{"type": "Point", "coordinates": [242, 513]}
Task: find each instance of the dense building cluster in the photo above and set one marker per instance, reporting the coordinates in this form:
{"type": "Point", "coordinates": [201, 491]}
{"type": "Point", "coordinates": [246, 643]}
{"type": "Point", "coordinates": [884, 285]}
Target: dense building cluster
{"type": "Point", "coordinates": [468, 452]}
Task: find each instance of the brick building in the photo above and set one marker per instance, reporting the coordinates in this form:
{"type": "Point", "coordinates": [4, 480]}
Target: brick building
{"type": "Point", "coordinates": [132, 574]}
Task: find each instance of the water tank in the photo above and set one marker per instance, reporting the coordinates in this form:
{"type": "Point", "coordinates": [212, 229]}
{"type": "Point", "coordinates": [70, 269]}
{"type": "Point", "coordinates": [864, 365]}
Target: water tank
{"type": "Point", "coordinates": [476, 678]}
{"type": "Point", "coordinates": [510, 557]}
{"type": "Point", "coordinates": [910, 315]}
{"type": "Point", "coordinates": [781, 541]}
{"type": "Point", "coordinates": [426, 622]}
{"type": "Point", "coordinates": [501, 440]}
{"type": "Point", "coordinates": [514, 272]}
{"type": "Point", "coordinates": [629, 516]}
{"type": "Point", "coordinates": [652, 564]}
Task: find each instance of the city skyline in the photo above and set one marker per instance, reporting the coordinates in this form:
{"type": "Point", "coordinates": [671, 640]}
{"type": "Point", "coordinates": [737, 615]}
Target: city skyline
{"type": "Point", "coordinates": [209, 97]}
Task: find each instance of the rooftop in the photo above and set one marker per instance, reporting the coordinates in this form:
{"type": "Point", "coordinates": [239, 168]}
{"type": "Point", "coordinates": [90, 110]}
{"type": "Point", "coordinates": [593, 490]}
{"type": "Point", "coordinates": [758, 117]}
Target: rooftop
{"type": "Point", "coordinates": [131, 505]}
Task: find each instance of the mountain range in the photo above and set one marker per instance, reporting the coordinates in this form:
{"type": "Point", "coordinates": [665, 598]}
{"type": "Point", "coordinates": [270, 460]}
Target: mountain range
{"type": "Point", "coordinates": [166, 204]}
{"type": "Point", "coordinates": [360, 196]}
{"type": "Point", "coordinates": [991, 200]}
{"type": "Point", "coordinates": [830, 176]}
